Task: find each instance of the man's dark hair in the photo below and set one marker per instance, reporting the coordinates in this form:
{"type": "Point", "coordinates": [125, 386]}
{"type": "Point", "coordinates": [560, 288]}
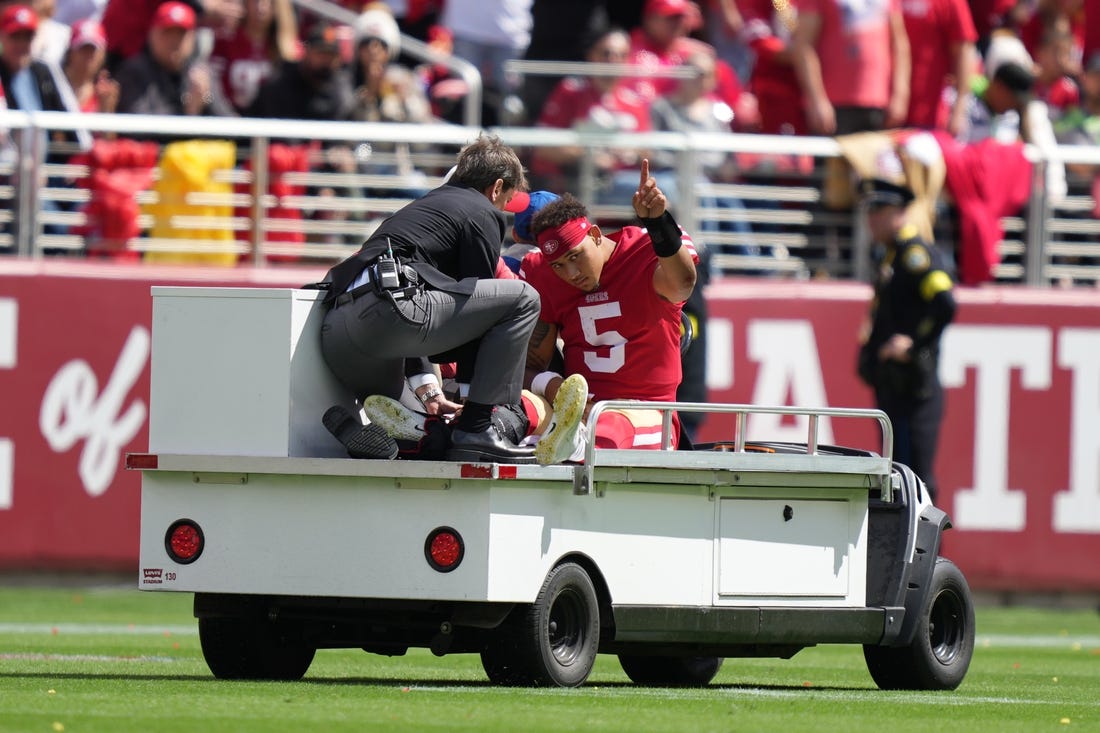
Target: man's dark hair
{"type": "Point", "coordinates": [1016, 79]}
{"type": "Point", "coordinates": [557, 213]}
{"type": "Point", "coordinates": [596, 35]}
{"type": "Point", "coordinates": [485, 160]}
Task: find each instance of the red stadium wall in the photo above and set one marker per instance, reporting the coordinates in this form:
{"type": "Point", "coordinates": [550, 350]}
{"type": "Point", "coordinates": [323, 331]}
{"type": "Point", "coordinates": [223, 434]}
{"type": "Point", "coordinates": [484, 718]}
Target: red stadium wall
{"type": "Point", "coordinates": [1019, 462]}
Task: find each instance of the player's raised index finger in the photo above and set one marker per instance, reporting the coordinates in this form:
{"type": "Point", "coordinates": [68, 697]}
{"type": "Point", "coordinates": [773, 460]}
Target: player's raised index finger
{"type": "Point", "coordinates": [645, 173]}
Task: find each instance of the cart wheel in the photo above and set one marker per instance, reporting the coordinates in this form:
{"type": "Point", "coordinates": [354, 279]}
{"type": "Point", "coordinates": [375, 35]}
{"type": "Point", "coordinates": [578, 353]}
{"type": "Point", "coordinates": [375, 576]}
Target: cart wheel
{"type": "Point", "coordinates": [249, 649]}
{"type": "Point", "coordinates": [943, 643]}
{"type": "Point", "coordinates": [553, 641]}
{"type": "Point", "coordinates": [670, 671]}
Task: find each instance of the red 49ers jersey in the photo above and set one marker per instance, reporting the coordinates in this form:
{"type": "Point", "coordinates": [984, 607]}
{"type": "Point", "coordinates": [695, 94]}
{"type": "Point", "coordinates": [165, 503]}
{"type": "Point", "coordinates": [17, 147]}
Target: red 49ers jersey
{"type": "Point", "coordinates": [241, 66]}
{"type": "Point", "coordinates": [624, 337]}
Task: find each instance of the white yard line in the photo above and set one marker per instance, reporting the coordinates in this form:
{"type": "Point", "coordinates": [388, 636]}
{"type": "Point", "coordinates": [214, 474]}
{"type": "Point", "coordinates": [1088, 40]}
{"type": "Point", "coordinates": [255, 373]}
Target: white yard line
{"type": "Point", "coordinates": [1038, 641]}
{"type": "Point", "coordinates": [31, 657]}
{"type": "Point", "coordinates": [98, 629]}
{"type": "Point", "coordinates": [592, 688]}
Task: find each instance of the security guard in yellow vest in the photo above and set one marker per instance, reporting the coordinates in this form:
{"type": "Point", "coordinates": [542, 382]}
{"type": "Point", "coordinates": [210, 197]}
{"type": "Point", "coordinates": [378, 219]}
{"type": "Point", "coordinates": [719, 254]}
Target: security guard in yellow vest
{"type": "Point", "coordinates": [913, 303]}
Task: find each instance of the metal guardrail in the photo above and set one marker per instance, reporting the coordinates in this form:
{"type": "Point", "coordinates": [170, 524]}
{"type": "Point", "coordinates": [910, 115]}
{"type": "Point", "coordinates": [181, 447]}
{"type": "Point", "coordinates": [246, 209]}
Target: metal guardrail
{"type": "Point", "coordinates": [592, 455]}
{"type": "Point", "coordinates": [43, 195]}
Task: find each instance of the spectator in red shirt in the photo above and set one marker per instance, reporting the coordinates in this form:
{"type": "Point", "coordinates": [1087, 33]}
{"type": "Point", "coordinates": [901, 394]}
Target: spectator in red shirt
{"type": "Point", "coordinates": [942, 42]}
{"type": "Point", "coordinates": [773, 81]}
{"type": "Point", "coordinates": [696, 107]}
{"type": "Point", "coordinates": [1057, 71]}
{"type": "Point", "coordinates": [658, 42]}
{"type": "Point", "coordinates": [1081, 124]}
{"type": "Point", "coordinates": [601, 102]}
{"type": "Point", "coordinates": [1067, 15]}
{"type": "Point", "coordinates": [852, 60]}
{"type": "Point", "coordinates": [245, 54]}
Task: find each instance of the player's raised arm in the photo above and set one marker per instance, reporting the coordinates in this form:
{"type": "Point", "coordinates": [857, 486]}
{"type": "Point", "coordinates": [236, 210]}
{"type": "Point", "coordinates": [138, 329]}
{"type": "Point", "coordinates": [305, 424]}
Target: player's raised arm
{"type": "Point", "coordinates": [649, 201]}
{"type": "Point", "coordinates": [675, 276]}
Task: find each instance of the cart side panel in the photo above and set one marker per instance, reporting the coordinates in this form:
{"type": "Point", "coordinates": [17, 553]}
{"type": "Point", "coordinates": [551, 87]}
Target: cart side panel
{"type": "Point", "coordinates": [780, 548]}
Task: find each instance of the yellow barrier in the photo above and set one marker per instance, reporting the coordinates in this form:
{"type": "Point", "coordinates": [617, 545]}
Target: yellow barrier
{"type": "Point", "coordinates": [186, 168]}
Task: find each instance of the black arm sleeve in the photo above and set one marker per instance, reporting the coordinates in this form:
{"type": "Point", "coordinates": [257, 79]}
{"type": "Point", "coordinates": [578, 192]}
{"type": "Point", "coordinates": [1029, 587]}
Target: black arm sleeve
{"type": "Point", "coordinates": [665, 234]}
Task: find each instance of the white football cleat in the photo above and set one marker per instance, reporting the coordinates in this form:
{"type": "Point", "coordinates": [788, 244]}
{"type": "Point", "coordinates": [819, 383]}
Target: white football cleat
{"type": "Point", "coordinates": [559, 442]}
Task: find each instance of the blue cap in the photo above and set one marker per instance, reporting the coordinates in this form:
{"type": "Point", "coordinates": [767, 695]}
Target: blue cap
{"type": "Point", "coordinates": [522, 224]}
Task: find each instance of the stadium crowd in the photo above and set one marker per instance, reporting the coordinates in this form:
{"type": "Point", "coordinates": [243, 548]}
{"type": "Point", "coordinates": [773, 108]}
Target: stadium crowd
{"type": "Point", "coordinates": [1001, 70]}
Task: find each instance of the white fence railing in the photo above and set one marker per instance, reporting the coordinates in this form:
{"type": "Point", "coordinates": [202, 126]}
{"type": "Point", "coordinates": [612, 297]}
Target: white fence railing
{"type": "Point", "coordinates": [252, 207]}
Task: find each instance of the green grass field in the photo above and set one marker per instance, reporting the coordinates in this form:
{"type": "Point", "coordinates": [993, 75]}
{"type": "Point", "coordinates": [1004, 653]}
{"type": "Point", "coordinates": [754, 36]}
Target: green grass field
{"type": "Point", "coordinates": [110, 660]}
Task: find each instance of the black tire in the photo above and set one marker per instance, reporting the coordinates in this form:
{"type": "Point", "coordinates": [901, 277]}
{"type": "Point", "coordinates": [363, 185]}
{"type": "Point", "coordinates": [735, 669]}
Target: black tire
{"type": "Point", "coordinates": [552, 642]}
{"type": "Point", "coordinates": [670, 671]}
{"type": "Point", "coordinates": [943, 642]}
{"type": "Point", "coordinates": [249, 649]}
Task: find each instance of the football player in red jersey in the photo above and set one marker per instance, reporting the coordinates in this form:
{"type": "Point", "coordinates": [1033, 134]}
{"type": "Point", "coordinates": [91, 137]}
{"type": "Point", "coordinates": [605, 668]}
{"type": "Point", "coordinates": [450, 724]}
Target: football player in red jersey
{"type": "Point", "coordinates": [615, 301]}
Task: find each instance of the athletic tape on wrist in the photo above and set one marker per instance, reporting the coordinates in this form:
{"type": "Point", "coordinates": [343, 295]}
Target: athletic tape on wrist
{"type": "Point", "coordinates": [542, 381]}
{"type": "Point", "coordinates": [417, 381]}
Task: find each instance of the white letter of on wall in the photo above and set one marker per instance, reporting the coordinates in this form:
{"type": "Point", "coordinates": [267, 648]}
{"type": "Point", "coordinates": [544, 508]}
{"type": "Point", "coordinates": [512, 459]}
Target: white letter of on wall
{"type": "Point", "coordinates": [1078, 508]}
{"type": "Point", "coordinates": [789, 365]}
{"type": "Point", "coordinates": [994, 352]}
{"type": "Point", "coordinates": [9, 334]}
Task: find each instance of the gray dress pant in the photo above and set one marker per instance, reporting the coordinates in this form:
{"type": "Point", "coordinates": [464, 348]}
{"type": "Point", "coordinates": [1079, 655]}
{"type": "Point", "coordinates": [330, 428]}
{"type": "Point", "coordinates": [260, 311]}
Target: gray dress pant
{"type": "Point", "coordinates": [365, 342]}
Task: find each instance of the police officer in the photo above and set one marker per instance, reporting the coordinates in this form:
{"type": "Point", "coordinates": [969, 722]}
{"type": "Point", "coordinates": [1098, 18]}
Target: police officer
{"type": "Point", "coordinates": [423, 284]}
{"type": "Point", "coordinates": [913, 303]}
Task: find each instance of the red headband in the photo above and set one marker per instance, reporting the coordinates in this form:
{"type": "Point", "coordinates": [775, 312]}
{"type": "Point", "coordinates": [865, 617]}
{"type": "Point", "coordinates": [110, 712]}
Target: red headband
{"type": "Point", "coordinates": [558, 240]}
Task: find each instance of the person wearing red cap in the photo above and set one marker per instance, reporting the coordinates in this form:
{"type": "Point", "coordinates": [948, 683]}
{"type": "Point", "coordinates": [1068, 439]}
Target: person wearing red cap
{"type": "Point", "coordinates": [615, 301]}
{"type": "Point", "coordinates": [33, 85]}
{"type": "Point", "coordinates": [83, 65]}
{"type": "Point", "coordinates": [127, 23]}
{"type": "Point", "coordinates": [29, 84]}
{"type": "Point", "coordinates": [18, 25]}
{"type": "Point", "coordinates": [166, 78]}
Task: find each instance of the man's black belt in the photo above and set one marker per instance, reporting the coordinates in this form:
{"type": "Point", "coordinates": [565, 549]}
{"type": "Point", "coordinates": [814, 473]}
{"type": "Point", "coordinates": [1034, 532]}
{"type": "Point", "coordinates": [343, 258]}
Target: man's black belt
{"type": "Point", "coordinates": [407, 290]}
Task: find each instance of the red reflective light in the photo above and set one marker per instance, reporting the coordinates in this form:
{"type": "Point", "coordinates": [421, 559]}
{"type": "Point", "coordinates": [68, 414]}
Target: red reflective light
{"type": "Point", "coordinates": [184, 541]}
{"type": "Point", "coordinates": [138, 461]}
{"type": "Point", "coordinates": [444, 549]}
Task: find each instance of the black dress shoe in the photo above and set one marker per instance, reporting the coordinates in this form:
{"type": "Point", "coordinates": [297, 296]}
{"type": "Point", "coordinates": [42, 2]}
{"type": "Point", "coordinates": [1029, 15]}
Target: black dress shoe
{"type": "Point", "coordinates": [360, 441]}
{"type": "Point", "coordinates": [487, 446]}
